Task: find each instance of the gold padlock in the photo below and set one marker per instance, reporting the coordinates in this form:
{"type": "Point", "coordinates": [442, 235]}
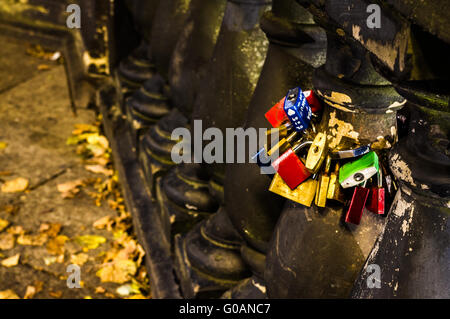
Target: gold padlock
{"type": "Point", "coordinates": [334, 188]}
{"type": "Point", "coordinates": [322, 185]}
{"type": "Point", "coordinates": [303, 194]}
{"type": "Point", "coordinates": [317, 153]}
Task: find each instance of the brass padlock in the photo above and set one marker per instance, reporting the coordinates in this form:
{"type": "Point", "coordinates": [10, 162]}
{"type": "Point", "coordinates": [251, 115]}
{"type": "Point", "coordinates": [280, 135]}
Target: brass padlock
{"type": "Point", "coordinates": [335, 191]}
{"type": "Point", "coordinates": [303, 194]}
{"type": "Point", "coordinates": [317, 153]}
{"type": "Point", "coordinates": [322, 185]}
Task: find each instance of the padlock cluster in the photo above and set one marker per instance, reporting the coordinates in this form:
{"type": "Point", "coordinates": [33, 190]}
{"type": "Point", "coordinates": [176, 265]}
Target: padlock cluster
{"type": "Point", "coordinates": [307, 170]}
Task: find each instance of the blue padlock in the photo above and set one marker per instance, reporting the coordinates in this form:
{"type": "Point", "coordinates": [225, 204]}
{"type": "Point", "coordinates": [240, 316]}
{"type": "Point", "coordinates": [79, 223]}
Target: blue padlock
{"type": "Point", "coordinates": [297, 109]}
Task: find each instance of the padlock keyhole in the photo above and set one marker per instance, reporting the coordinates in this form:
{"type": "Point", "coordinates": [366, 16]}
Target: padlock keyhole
{"type": "Point", "coordinates": [358, 177]}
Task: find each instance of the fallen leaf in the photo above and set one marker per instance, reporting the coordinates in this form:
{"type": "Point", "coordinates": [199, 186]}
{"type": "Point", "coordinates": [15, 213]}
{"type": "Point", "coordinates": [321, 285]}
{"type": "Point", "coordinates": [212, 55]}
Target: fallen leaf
{"type": "Point", "coordinates": [138, 296]}
{"type": "Point", "coordinates": [70, 189]}
{"type": "Point", "coordinates": [51, 229]}
{"type": "Point", "coordinates": [99, 169]}
{"type": "Point", "coordinates": [16, 230]}
{"type": "Point", "coordinates": [5, 173]}
{"type": "Point", "coordinates": [60, 259]}
{"type": "Point", "coordinates": [55, 56]}
{"type": "Point", "coordinates": [97, 139]}
{"type": "Point", "coordinates": [3, 224]}
{"type": "Point", "coordinates": [79, 259]}
{"type": "Point", "coordinates": [90, 241]}
{"type": "Point", "coordinates": [38, 285]}
{"type": "Point", "coordinates": [55, 246]}
{"type": "Point", "coordinates": [118, 271]}
{"type": "Point", "coordinates": [43, 67]}
{"type": "Point", "coordinates": [49, 260]}
{"type": "Point", "coordinates": [82, 128]}
{"type": "Point", "coordinates": [32, 240]}
{"type": "Point", "coordinates": [15, 186]}
{"type": "Point", "coordinates": [11, 261]}
{"type": "Point", "coordinates": [30, 292]}
{"type": "Point", "coordinates": [8, 294]}
{"type": "Point", "coordinates": [103, 222]}
{"type": "Point", "coordinates": [6, 241]}
{"type": "Point", "coordinates": [100, 290]}
{"type": "Point", "coordinates": [110, 295]}
{"type": "Point", "coordinates": [3, 145]}
{"type": "Point", "coordinates": [99, 160]}
{"type": "Point", "coordinates": [126, 290]}
{"type": "Point", "coordinates": [55, 294]}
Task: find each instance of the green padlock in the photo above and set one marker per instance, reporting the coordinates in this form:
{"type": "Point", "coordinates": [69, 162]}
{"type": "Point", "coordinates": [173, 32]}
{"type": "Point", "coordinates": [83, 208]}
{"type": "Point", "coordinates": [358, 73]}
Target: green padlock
{"type": "Point", "coordinates": [359, 171]}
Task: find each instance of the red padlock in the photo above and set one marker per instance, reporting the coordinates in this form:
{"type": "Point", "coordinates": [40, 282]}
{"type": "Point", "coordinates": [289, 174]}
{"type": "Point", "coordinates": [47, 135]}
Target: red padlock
{"type": "Point", "coordinates": [313, 101]}
{"type": "Point", "coordinates": [356, 208]}
{"type": "Point", "coordinates": [276, 115]}
{"type": "Point", "coordinates": [291, 168]}
{"type": "Point", "coordinates": [375, 203]}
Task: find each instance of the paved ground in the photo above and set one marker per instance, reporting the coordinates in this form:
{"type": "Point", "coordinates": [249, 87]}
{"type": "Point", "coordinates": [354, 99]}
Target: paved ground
{"type": "Point", "coordinates": [35, 123]}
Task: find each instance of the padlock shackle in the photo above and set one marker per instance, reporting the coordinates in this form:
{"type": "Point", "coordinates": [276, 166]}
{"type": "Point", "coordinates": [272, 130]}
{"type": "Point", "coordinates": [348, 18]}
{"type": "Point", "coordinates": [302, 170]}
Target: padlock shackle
{"type": "Point", "coordinates": [300, 146]}
{"type": "Point", "coordinates": [380, 178]}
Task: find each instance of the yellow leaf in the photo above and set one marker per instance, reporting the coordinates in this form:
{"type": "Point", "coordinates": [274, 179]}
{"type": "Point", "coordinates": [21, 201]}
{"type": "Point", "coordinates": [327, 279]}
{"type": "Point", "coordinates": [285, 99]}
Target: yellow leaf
{"type": "Point", "coordinates": [16, 230]}
{"type": "Point", "coordinates": [15, 186]}
{"type": "Point", "coordinates": [55, 246]}
{"type": "Point", "coordinates": [8, 294]}
{"type": "Point", "coordinates": [49, 260]}
{"type": "Point", "coordinates": [6, 241]}
{"type": "Point", "coordinates": [100, 290]}
{"type": "Point", "coordinates": [99, 169]}
{"type": "Point", "coordinates": [70, 189]}
{"type": "Point", "coordinates": [79, 259]}
{"type": "Point", "coordinates": [30, 292]}
{"type": "Point", "coordinates": [118, 271]}
{"type": "Point", "coordinates": [90, 241]}
{"type": "Point", "coordinates": [138, 296]}
{"type": "Point", "coordinates": [55, 294]}
{"type": "Point", "coordinates": [3, 145]}
{"type": "Point", "coordinates": [103, 222]}
{"type": "Point", "coordinates": [11, 261]}
{"type": "Point", "coordinates": [82, 128]}
{"type": "Point", "coordinates": [43, 67]}
{"type": "Point", "coordinates": [3, 224]}
{"type": "Point", "coordinates": [51, 229]}
{"type": "Point", "coordinates": [32, 240]}
{"type": "Point", "coordinates": [126, 290]}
